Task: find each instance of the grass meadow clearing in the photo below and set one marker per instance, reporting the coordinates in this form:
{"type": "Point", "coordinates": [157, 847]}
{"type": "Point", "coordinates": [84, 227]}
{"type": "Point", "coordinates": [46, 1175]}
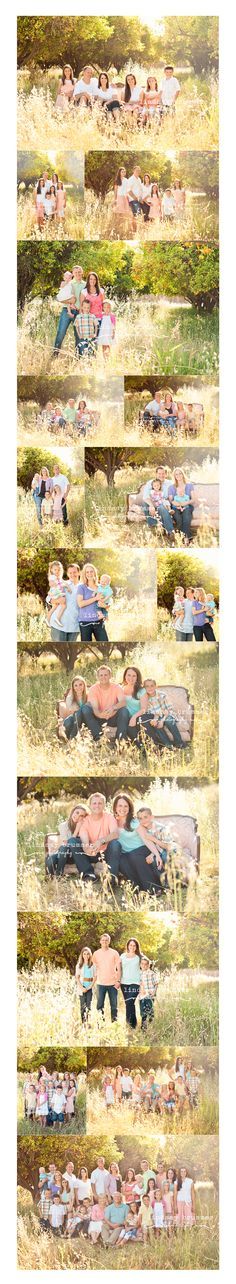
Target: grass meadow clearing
{"type": "Point", "coordinates": [166, 632]}
{"type": "Point", "coordinates": [199, 223]}
{"type": "Point", "coordinates": [138, 434]}
{"type": "Point", "coordinates": [165, 797]}
{"type": "Point", "coordinates": [69, 228]}
{"type": "Point", "coordinates": [107, 403]}
{"type": "Point", "coordinates": [42, 681]}
{"type": "Point", "coordinates": [185, 1011]}
{"type": "Point", "coordinates": [162, 336]}
{"type": "Point", "coordinates": [28, 1128]}
{"type": "Point", "coordinates": [130, 619]}
{"type": "Point", "coordinates": [106, 507]}
{"type": "Point", "coordinates": [51, 534]}
{"type": "Point", "coordinates": [41, 125]}
{"type": "Point", "coordinates": [123, 1118]}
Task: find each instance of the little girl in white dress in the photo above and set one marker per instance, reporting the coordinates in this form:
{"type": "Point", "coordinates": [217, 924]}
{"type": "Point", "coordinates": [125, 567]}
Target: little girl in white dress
{"type": "Point", "coordinates": [106, 333]}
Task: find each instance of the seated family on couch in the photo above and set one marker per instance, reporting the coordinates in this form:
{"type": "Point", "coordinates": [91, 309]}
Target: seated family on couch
{"type": "Point", "coordinates": [75, 416]}
{"type": "Point", "coordinates": [127, 708]}
{"type": "Point", "coordinates": [78, 604]}
{"type": "Point", "coordinates": [49, 1099]}
{"type": "Point", "coordinates": [135, 195]}
{"type": "Point", "coordinates": [86, 308]}
{"type": "Point", "coordinates": [145, 103]}
{"type": "Point", "coordinates": [169, 503]}
{"type": "Point", "coordinates": [50, 495]}
{"type": "Point", "coordinates": [136, 847]}
{"type": "Point", "coordinates": [193, 614]}
{"type": "Point", "coordinates": [172, 415]}
{"type": "Point", "coordinates": [115, 1209]}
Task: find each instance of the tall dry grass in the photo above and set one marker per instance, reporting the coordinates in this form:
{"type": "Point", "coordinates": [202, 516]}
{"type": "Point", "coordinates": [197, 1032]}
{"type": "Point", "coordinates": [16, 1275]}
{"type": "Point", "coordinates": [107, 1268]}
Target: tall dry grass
{"type": "Point", "coordinates": [185, 1011]}
{"type": "Point", "coordinates": [151, 337]}
{"type": "Point", "coordinates": [124, 1118]}
{"type": "Point", "coordinates": [199, 222]}
{"type": "Point", "coordinates": [165, 797]}
{"type": "Point", "coordinates": [138, 434]}
{"type": "Point", "coordinates": [130, 619]}
{"type": "Point", "coordinates": [41, 125]}
{"type": "Point", "coordinates": [105, 509]}
{"type": "Point", "coordinates": [52, 535]}
{"type": "Point", "coordinates": [77, 1124]}
{"type": "Point", "coordinates": [42, 683]}
{"type": "Point", "coordinates": [69, 228]}
{"type": "Point", "coordinates": [108, 431]}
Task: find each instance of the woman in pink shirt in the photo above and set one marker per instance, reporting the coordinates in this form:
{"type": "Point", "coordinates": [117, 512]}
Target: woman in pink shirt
{"type": "Point", "coordinates": [94, 295]}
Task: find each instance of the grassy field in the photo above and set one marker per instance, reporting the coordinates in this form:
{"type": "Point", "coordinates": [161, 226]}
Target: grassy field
{"type": "Point", "coordinates": [109, 431]}
{"type": "Point", "coordinates": [42, 682]}
{"type": "Point", "coordinates": [41, 125]}
{"type": "Point", "coordinates": [35, 820]}
{"type": "Point", "coordinates": [123, 1119]}
{"type": "Point", "coordinates": [105, 508]}
{"type": "Point", "coordinates": [70, 228]}
{"type": "Point", "coordinates": [166, 632]}
{"type": "Point", "coordinates": [26, 1127]}
{"type": "Point", "coordinates": [55, 535]}
{"type": "Point", "coordinates": [137, 434]}
{"type": "Point", "coordinates": [130, 619]}
{"type": "Point", "coordinates": [167, 338]}
{"type": "Point", "coordinates": [186, 1011]}
{"type": "Point", "coordinates": [199, 223]}
{"type": "Point", "coordinates": [192, 1250]}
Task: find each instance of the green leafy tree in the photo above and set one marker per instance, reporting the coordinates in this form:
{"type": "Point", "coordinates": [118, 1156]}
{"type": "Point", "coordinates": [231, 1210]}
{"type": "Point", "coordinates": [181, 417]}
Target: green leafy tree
{"type": "Point", "coordinates": [179, 569]}
{"type": "Point", "coordinates": [59, 1058]}
{"type": "Point", "coordinates": [36, 1151]}
{"type": "Point", "coordinates": [32, 460]}
{"type": "Point", "coordinates": [58, 938]}
{"type": "Point", "coordinates": [194, 40]}
{"type": "Point", "coordinates": [186, 270]}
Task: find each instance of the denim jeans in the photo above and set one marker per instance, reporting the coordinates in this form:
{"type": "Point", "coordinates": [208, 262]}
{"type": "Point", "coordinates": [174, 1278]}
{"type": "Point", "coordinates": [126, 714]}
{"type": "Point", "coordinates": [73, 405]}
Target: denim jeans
{"type": "Point", "coordinates": [73, 849]}
{"type": "Point", "coordinates": [85, 1003]}
{"type": "Point", "coordinates": [133, 866]}
{"type": "Point", "coordinates": [154, 420]}
{"type": "Point", "coordinates": [163, 515]}
{"type": "Point", "coordinates": [83, 346]}
{"type": "Point", "coordinates": [112, 856]}
{"type": "Point", "coordinates": [73, 723]}
{"type": "Point", "coordinates": [183, 637]}
{"type": "Point", "coordinates": [114, 105]}
{"type": "Point", "coordinates": [136, 207]}
{"type": "Point", "coordinates": [146, 1010]}
{"type": "Point", "coordinates": [63, 325]}
{"type": "Point", "coordinates": [119, 720]}
{"type": "Point", "coordinates": [203, 631]}
{"type": "Point", "coordinates": [183, 520]}
{"type": "Point", "coordinates": [111, 990]}
{"type": "Point", "coordinates": [96, 630]}
{"type": "Point", "coordinates": [58, 635]}
{"type": "Point", "coordinates": [38, 504]}
{"type": "Point", "coordinates": [157, 734]}
{"type": "Point", "coordinates": [130, 993]}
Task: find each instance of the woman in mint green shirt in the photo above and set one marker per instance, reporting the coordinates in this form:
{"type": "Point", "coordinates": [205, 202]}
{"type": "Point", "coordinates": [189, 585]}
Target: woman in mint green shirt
{"type": "Point", "coordinates": [137, 847]}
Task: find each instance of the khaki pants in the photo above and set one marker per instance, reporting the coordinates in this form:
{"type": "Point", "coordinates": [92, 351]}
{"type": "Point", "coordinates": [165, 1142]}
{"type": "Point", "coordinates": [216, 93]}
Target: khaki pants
{"type": "Point", "coordinates": [110, 1236]}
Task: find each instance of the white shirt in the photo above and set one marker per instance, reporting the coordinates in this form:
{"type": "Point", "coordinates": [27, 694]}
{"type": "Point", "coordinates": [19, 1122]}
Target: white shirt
{"type": "Point", "coordinates": [70, 1177]}
{"type": "Point", "coordinates": [109, 1094]}
{"type": "Point", "coordinates": [158, 1213]}
{"type": "Point", "coordinates": [147, 190]}
{"type": "Point", "coordinates": [185, 626]}
{"type": "Point", "coordinates": [126, 1083]}
{"type": "Point", "coordinates": [168, 90]}
{"type": "Point", "coordinates": [153, 407]}
{"type": "Point", "coordinates": [99, 1179]}
{"type": "Point", "coordinates": [57, 1213]}
{"type": "Point", "coordinates": [105, 94]}
{"type": "Point", "coordinates": [65, 292]}
{"type": "Point", "coordinates": [135, 186]}
{"type": "Point", "coordinates": [48, 206]}
{"type": "Point", "coordinates": [84, 1188]}
{"type": "Point", "coordinates": [61, 481]}
{"type": "Point", "coordinates": [81, 87]}
{"type": "Point", "coordinates": [168, 204]}
{"type": "Point", "coordinates": [58, 1102]}
{"type": "Point", "coordinates": [184, 1194]}
{"type": "Point", "coordinates": [135, 94]}
{"type": "Point", "coordinates": [122, 187]}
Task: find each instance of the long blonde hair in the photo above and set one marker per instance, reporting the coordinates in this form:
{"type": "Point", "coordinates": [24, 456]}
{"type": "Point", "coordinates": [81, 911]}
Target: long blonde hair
{"type": "Point", "coordinates": [84, 572]}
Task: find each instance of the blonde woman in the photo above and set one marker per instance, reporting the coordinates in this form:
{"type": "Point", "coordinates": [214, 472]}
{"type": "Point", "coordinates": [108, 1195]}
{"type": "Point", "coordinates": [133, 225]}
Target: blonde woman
{"type": "Point", "coordinates": [91, 621]}
{"type": "Point", "coordinates": [201, 625]}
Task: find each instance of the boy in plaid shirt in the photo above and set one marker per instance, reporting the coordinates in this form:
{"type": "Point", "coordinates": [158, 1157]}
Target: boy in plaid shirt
{"type": "Point", "coordinates": [85, 330]}
{"type": "Point", "coordinates": [147, 991]}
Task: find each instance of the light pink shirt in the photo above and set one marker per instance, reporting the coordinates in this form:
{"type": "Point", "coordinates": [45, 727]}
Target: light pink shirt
{"type": "Point", "coordinates": [107, 963]}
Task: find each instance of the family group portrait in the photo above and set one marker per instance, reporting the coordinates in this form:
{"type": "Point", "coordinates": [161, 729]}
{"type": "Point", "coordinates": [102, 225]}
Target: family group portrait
{"type": "Point", "coordinates": [50, 497]}
{"type": "Point", "coordinates": [188, 596]}
{"type": "Point", "coordinates": [183, 815]}
{"type": "Point", "coordinates": [90, 708]}
{"type": "Point", "coordinates": [118, 80]}
{"type": "Point", "coordinates": [65, 596]}
{"type": "Point", "coordinates": [87, 979]}
{"type": "Point", "coordinates": [178, 412]}
{"type": "Point", "coordinates": [64, 412]}
{"type": "Point", "coordinates": [93, 306]}
{"type": "Point", "coordinates": [51, 1091]}
{"type": "Point", "coordinates": [151, 195]}
{"type": "Point", "coordinates": [153, 1198]}
{"type": "Point", "coordinates": [50, 196]}
{"type": "Point", "coordinates": [169, 1088]}
{"type": "Point", "coordinates": [163, 497]}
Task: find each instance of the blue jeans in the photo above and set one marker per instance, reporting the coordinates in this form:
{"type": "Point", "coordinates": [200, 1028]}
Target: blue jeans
{"type": "Point", "coordinates": [38, 504]}
{"type": "Point", "coordinates": [111, 990]}
{"type": "Point", "coordinates": [73, 723]}
{"type": "Point", "coordinates": [112, 856]}
{"type": "Point", "coordinates": [163, 515]}
{"type": "Point", "coordinates": [96, 630]}
{"type": "Point", "coordinates": [136, 207]}
{"type": "Point", "coordinates": [119, 720]}
{"type": "Point", "coordinates": [158, 734]}
{"type": "Point", "coordinates": [172, 724]}
{"type": "Point", "coordinates": [146, 1011]}
{"type": "Point", "coordinates": [183, 520]}
{"type": "Point", "coordinates": [57, 635]}
{"type": "Point", "coordinates": [63, 325]}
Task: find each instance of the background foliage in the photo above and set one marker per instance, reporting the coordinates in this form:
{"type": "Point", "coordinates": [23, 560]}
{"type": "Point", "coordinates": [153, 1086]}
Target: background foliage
{"type": "Point", "coordinates": [59, 938]}
{"type": "Point", "coordinates": [110, 40]}
{"type": "Point", "coordinates": [197, 170]}
{"type": "Point", "coordinates": [187, 270]}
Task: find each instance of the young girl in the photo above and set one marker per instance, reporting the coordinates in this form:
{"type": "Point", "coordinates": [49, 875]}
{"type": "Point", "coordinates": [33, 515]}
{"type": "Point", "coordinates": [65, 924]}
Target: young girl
{"type": "Point", "coordinates": [146, 1215]}
{"type": "Point", "coordinates": [158, 1213]}
{"type": "Point", "coordinates": [131, 1226]}
{"type": "Point", "coordinates": [85, 973]}
{"type": "Point", "coordinates": [47, 509]}
{"type": "Point", "coordinates": [50, 203]}
{"type": "Point", "coordinates": [185, 1199]}
{"type": "Point", "coordinates": [65, 88]}
{"type": "Point", "coordinates": [151, 100]}
{"type": "Point", "coordinates": [60, 201]}
{"type": "Point", "coordinates": [155, 203]}
{"type": "Point", "coordinates": [42, 1104]}
{"type": "Point", "coordinates": [39, 201]}
{"type": "Point", "coordinates": [97, 1214]}
{"type": "Point", "coordinates": [168, 1204]}
{"type": "Point", "coordinates": [109, 1092]}
{"type": "Point", "coordinates": [57, 504]}
{"type": "Point", "coordinates": [179, 198]}
{"type": "Point", "coordinates": [30, 1100]}
{"type": "Point", "coordinates": [133, 95]}
{"type": "Point", "coordinates": [122, 205]}
{"type": "Point", "coordinates": [56, 598]}
{"type": "Point", "coordinates": [82, 419]}
{"type": "Point", "coordinates": [106, 332]}
{"type": "Point", "coordinates": [70, 1102]}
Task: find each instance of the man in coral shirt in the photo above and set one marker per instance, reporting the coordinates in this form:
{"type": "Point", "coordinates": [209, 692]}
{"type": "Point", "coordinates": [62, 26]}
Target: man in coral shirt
{"type": "Point", "coordinates": [108, 970]}
{"type": "Point", "coordinates": [98, 833]}
{"type": "Point", "coordinates": [102, 706]}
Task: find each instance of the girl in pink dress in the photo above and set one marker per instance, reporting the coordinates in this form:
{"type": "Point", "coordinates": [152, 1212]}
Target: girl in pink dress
{"type": "Point", "coordinates": [151, 100]}
{"type": "Point", "coordinates": [39, 202]}
{"type": "Point", "coordinates": [168, 1204]}
{"type": "Point", "coordinates": [57, 508]}
{"type": "Point", "coordinates": [155, 203]}
{"type": "Point", "coordinates": [60, 201]}
{"type": "Point", "coordinates": [122, 204]}
{"type": "Point", "coordinates": [179, 195]}
{"type": "Point", "coordinates": [70, 1102]}
{"type": "Point", "coordinates": [65, 87]}
{"type": "Point", "coordinates": [185, 1199]}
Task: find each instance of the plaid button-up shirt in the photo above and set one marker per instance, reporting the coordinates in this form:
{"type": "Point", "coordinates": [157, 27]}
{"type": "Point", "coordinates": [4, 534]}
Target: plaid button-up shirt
{"type": "Point", "coordinates": [86, 326]}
